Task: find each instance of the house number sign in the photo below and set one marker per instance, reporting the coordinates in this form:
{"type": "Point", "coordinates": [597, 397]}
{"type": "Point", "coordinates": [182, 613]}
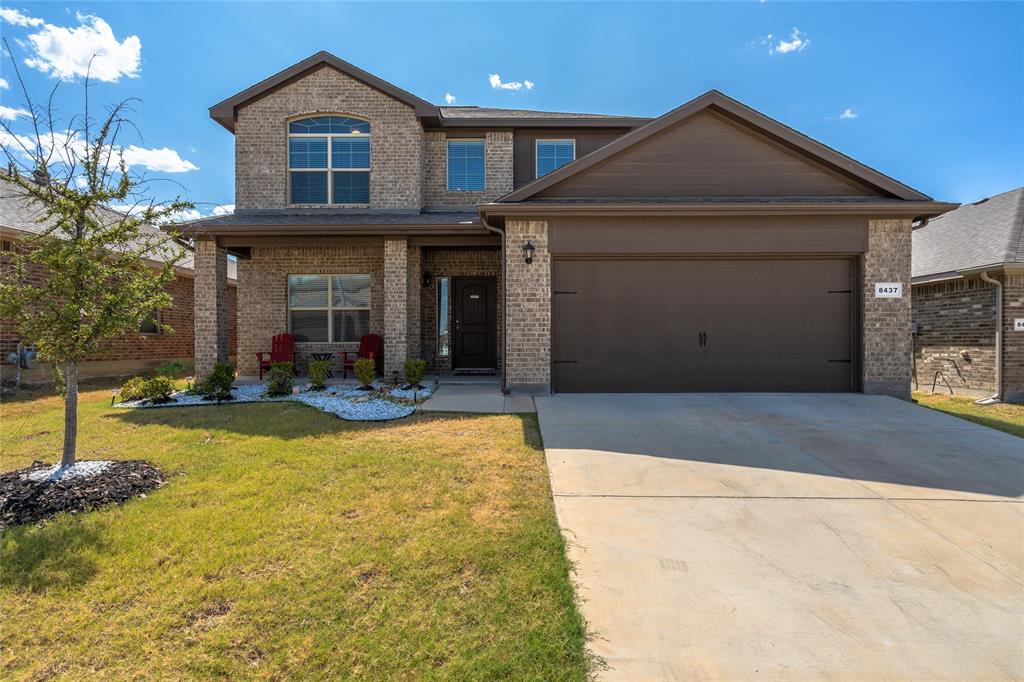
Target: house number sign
{"type": "Point", "coordinates": [1018, 325]}
{"type": "Point", "coordinates": [888, 290]}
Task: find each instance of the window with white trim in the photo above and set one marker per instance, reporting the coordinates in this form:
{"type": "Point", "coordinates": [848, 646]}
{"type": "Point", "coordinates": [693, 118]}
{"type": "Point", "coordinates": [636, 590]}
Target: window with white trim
{"type": "Point", "coordinates": [328, 308]}
{"type": "Point", "coordinates": [329, 160]}
{"type": "Point", "coordinates": [465, 165]}
{"type": "Point", "coordinates": [553, 154]}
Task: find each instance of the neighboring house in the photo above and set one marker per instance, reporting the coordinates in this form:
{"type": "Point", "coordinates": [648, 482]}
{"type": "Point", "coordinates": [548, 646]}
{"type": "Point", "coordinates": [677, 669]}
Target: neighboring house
{"type": "Point", "coordinates": [130, 353]}
{"type": "Point", "coordinates": [711, 248]}
{"type": "Point", "coordinates": [955, 308]}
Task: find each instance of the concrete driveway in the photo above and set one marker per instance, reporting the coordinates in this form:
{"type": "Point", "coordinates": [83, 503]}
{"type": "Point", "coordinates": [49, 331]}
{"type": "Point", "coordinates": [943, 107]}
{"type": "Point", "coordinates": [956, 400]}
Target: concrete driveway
{"type": "Point", "coordinates": [745, 536]}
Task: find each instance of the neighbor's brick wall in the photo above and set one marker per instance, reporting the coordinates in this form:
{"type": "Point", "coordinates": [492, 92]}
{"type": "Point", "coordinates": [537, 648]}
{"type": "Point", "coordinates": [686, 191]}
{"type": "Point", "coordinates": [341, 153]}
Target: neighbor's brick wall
{"type": "Point", "coordinates": [454, 262]}
{"type": "Point", "coordinates": [954, 317]}
{"type": "Point", "coordinates": [1013, 342]}
{"type": "Point", "coordinates": [396, 296]}
{"type": "Point", "coordinates": [261, 140]}
{"type": "Point", "coordinates": [497, 170]}
{"type": "Point", "coordinates": [887, 343]}
{"type": "Point", "coordinates": [529, 305]}
{"type": "Point", "coordinates": [263, 296]}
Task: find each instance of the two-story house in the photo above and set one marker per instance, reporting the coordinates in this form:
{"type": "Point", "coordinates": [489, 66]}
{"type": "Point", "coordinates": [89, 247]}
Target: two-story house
{"type": "Point", "coordinates": [711, 248]}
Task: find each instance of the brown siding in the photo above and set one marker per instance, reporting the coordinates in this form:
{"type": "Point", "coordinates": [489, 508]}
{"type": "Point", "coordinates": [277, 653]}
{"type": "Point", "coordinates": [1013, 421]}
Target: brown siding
{"type": "Point", "coordinates": [709, 235]}
{"type": "Point", "coordinates": [708, 155]}
{"type": "Point", "coordinates": [587, 141]}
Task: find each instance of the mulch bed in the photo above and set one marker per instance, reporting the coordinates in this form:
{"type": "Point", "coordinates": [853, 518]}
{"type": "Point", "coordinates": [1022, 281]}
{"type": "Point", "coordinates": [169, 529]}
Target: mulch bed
{"type": "Point", "coordinates": [26, 501]}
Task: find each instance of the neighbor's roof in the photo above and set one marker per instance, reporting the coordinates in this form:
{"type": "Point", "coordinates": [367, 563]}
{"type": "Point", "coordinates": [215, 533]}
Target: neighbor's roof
{"type": "Point", "coordinates": [224, 112]}
{"type": "Point", "coordinates": [986, 233]}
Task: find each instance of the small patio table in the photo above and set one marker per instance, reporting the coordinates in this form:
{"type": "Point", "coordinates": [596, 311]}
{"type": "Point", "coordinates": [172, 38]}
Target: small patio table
{"type": "Point", "coordinates": [317, 357]}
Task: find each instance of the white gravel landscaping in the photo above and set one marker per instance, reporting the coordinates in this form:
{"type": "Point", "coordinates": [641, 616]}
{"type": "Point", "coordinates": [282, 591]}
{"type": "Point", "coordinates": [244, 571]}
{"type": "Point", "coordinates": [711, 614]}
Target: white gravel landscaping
{"type": "Point", "coordinates": [352, 404]}
{"type": "Point", "coordinates": [55, 473]}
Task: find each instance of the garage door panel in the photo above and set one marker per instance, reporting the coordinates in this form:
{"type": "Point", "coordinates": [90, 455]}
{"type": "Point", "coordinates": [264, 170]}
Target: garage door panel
{"type": "Point", "coordinates": [703, 325]}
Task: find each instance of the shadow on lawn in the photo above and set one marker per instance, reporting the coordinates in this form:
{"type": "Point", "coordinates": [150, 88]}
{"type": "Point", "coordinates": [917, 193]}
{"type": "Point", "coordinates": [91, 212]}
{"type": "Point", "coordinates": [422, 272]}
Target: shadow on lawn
{"type": "Point", "coordinates": [39, 558]}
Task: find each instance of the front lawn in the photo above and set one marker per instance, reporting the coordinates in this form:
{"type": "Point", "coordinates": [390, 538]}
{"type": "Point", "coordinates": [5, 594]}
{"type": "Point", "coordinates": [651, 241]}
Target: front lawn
{"type": "Point", "coordinates": [289, 544]}
{"type": "Point", "coordinates": [1005, 417]}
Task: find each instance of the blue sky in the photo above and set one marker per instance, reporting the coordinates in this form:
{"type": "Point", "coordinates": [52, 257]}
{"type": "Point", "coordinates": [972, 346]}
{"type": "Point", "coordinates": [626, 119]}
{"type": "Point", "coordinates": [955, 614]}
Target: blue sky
{"type": "Point", "coordinates": [932, 92]}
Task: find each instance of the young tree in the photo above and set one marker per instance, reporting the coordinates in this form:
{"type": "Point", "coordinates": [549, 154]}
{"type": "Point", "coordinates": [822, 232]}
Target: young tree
{"type": "Point", "coordinates": [98, 263]}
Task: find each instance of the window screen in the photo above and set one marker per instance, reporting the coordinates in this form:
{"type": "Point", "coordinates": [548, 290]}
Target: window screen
{"type": "Point", "coordinates": [465, 165]}
{"type": "Point", "coordinates": [553, 154]}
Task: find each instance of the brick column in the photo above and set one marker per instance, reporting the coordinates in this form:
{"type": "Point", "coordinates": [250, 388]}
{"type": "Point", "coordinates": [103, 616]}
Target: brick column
{"type": "Point", "coordinates": [396, 297]}
{"type": "Point", "coordinates": [529, 307]}
{"type": "Point", "coordinates": [415, 308]}
{"type": "Point", "coordinates": [888, 343]}
{"type": "Point", "coordinates": [211, 305]}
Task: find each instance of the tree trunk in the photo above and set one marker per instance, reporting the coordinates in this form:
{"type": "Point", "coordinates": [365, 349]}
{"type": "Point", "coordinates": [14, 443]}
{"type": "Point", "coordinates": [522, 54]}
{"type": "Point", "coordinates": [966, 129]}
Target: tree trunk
{"type": "Point", "coordinates": [70, 370]}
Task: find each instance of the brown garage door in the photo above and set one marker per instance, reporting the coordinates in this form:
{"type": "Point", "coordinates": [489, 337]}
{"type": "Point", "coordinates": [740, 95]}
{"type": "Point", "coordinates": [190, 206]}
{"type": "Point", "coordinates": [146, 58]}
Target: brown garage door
{"type": "Point", "coordinates": [703, 325]}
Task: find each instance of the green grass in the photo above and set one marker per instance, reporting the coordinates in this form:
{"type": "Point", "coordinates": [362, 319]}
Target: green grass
{"type": "Point", "coordinates": [288, 544]}
{"type": "Point", "coordinates": [1004, 417]}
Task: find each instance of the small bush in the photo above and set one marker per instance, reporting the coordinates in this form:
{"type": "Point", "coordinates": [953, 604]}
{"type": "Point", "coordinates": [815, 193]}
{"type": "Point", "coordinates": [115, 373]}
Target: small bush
{"type": "Point", "coordinates": [366, 371]}
{"type": "Point", "coordinates": [175, 369]}
{"type": "Point", "coordinates": [318, 371]}
{"type": "Point", "coordinates": [218, 385]}
{"type": "Point", "coordinates": [280, 380]}
{"type": "Point", "coordinates": [158, 389]}
{"type": "Point", "coordinates": [414, 371]}
{"type": "Point", "coordinates": [133, 389]}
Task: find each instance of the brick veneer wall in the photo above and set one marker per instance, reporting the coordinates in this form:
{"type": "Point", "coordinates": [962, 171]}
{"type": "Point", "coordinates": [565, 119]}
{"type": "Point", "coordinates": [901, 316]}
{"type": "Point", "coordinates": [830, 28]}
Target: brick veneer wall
{"type": "Point", "coordinates": [1013, 341]}
{"type": "Point", "coordinates": [529, 306]}
{"type": "Point", "coordinates": [414, 301]}
{"type": "Point", "coordinates": [497, 170]}
{"type": "Point", "coordinates": [211, 305]}
{"type": "Point", "coordinates": [396, 297]}
{"type": "Point", "coordinates": [454, 262]}
{"type": "Point", "coordinates": [263, 295]}
{"type": "Point", "coordinates": [887, 342]}
{"type": "Point", "coordinates": [954, 317]}
{"type": "Point", "coordinates": [261, 140]}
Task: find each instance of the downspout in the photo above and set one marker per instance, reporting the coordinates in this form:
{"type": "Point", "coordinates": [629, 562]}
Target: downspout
{"type": "Point", "coordinates": [998, 395]}
{"type": "Point", "coordinates": [504, 301]}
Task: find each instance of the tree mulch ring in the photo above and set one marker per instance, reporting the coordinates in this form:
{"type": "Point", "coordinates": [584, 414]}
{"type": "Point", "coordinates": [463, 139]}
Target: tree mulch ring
{"type": "Point", "coordinates": [24, 500]}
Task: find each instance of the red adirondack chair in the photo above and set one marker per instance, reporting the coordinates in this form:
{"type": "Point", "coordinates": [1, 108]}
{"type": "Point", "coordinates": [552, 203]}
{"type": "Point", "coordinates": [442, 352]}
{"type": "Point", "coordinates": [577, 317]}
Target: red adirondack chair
{"type": "Point", "coordinates": [369, 347]}
{"type": "Point", "coordinates": [282, 349]}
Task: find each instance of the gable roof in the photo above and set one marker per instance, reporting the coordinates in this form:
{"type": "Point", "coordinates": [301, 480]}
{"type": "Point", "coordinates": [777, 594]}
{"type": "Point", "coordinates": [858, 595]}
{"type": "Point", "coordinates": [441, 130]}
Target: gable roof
{"type": "Point", "coordinates": [986, 233]}
{"type": "Point", "coordinates": [224, 112]}
{"type": "Point", "coordinates": [720, 103]}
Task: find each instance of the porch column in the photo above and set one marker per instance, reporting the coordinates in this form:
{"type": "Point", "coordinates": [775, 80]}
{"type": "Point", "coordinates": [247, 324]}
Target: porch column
{"type": "Point", "coordinates": [211, 305]}
{"type": "Point", "coordinates": [396, 296]}
{"type": "Point", "coordinates": [415, 309]}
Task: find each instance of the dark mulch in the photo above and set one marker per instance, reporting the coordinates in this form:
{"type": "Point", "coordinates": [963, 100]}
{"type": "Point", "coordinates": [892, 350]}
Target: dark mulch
{"type": "Point", "coordinates": [26, 501]}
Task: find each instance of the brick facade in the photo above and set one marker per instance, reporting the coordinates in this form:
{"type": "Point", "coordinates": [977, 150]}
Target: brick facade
{"type": "Point", "coordinates": [1013, 341]}
{"type": "Point", "coordinates": [529, 306]}
{"type": "Point", "coordinates": [261, 140]}
{"type": "Point", "coordinates": [263, 295]}
{"type": "Point", "coordinates": [887, 342]}
{"type": "Point", "coordinates": [211, 305]}
{"type": "Point", "coordinates": [454, 262]}
{"type": "Point", "coordinates": [396, 297]}
{"type": "Point", "coordinates": [498, 147]}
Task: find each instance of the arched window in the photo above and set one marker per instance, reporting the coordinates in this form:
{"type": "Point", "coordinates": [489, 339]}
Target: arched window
{"type": "Point", "coordinates": [329, 160]}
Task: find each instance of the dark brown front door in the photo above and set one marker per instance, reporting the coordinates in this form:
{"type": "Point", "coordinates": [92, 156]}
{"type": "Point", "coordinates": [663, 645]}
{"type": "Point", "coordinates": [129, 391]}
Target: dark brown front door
{"type": "Point", "coordinates": [703, 325]}
{"type": "Point", "coordinates": [475, 314]}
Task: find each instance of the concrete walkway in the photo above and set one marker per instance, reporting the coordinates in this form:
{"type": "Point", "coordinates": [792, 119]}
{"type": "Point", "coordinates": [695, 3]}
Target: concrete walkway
{"type": "Point", "coordinates": [790, 537]}
{"type": "Point", "coordinates": [476, 397]}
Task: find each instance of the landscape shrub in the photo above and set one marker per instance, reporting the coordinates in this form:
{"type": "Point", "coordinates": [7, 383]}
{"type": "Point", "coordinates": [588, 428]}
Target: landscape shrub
{"type": "Point", "coordinates": [175, 369]}
{"type": "Point", "coordinates": [132, 389]}
{"type": "Point", "coordinates": [414, 371]}
{"type": "Point", "coordinates": [280, 380]}
{"type": "Point", "coordinates": [218, 385]}
{"type": "Point", "coordinates": [158, 389]}
{"type": "Point", "coordinates": [366, 371]}
{"type": "Point", "coordinates": [318, 371]}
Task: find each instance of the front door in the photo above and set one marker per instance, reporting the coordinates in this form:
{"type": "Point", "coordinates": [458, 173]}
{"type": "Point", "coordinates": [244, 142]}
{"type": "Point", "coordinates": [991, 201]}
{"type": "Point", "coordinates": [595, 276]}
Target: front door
{"type": "Point", "coordinates": [475, 314]}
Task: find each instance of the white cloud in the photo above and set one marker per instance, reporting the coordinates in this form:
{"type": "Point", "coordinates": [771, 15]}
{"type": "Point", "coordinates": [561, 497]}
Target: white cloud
{"type": "Point", "coordinates": [13, 16]}
{"type": "Point", "coordinates": [164, 159]}
{"type": "Point", "coordinates": [10, 113]}
{"type": "Point", "coordinates": [848, 114]}
{"type": "Point", "coordinates": [185, 215]}
{"type": "Point", "coordinates": [4, 84]}
{"type": "Point", "coordinates": [223, 209]}
{"type": "Point", "coordinates": [515, 86]}
{"type": "Point", "coordinates": [449, 98]}
{"type": "Point", "coordinates": [64, 52]}
{"type": "Point", "coordinates": [797, 42]}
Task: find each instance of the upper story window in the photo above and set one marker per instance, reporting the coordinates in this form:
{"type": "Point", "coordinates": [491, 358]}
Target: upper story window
{"type": "Point", "coordinates": [329, 160]}
{"type": "Point", "coordinates": [553, 154]}
{"type": "Point", "coordinates": [465, 165]}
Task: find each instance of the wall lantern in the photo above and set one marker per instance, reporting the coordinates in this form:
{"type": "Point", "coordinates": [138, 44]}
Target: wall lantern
{"type": "Point", "coordinates": [427, 277]}
{"type": "Point", "coordinates": [528, 250]}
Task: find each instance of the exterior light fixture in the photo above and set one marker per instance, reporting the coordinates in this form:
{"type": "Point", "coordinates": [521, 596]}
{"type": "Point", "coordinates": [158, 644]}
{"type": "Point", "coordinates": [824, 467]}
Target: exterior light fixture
{"type": "Point", "coordinates": [427, 278]}
{"type": "Point", "coordinates": [528, 250]}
